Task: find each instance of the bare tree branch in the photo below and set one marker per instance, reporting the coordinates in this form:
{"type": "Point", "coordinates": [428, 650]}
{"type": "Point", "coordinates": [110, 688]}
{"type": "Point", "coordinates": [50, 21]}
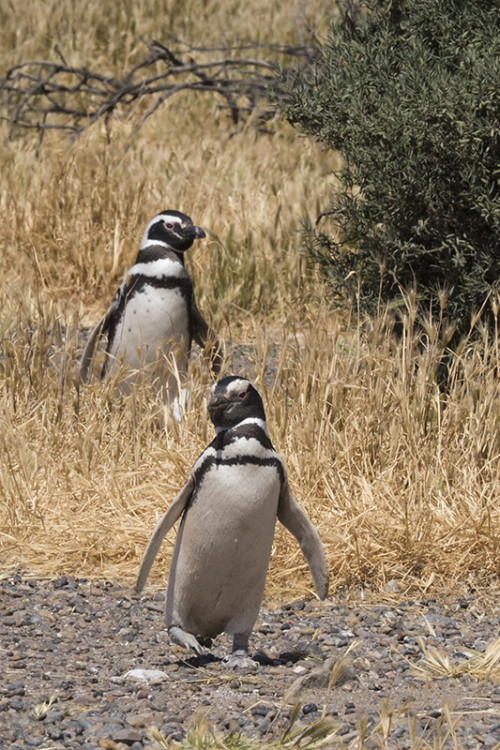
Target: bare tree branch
{"type": "Point", "coordinates": [44, 95]}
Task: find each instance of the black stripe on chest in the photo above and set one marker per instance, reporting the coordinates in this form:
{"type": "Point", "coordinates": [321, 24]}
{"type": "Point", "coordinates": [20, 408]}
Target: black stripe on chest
{"type": "Point", "coordinates": [225, 438]}
{"type": "Point", "coordinates": [137, 284]}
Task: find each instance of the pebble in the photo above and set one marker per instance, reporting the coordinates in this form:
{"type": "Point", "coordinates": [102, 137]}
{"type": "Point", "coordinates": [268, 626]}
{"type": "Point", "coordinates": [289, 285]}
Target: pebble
{"type": "Point", "coordinates": [69, 645]}
{"type": "Point", "coordinates": [150, 676]}
{"type": "Point", "coordinates": [309, 708]}
{"type": "Point", "coordinates": [127, 736]}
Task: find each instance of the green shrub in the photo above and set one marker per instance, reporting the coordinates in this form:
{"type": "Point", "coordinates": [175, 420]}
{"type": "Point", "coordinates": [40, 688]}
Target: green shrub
{"type": "Point", "coordinates": [409, 92]}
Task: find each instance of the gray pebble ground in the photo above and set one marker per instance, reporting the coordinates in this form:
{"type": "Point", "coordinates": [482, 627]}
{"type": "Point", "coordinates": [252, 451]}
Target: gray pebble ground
{"type": "Point", "coordinates": [66, 645]}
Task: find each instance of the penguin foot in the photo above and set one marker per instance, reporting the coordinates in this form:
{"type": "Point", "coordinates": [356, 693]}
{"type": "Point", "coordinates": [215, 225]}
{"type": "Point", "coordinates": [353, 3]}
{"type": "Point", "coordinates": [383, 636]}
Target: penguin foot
{"type": "Point", "coordinates": [186, 640]}
{"type": "Point", "coordinates": [240, 660]}
{"type": "Point", "coordinates": [178, 406]}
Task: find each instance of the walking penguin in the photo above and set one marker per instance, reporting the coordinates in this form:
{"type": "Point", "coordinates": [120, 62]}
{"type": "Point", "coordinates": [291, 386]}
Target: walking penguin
{"type": "Point", "coordinates": [229, 505]}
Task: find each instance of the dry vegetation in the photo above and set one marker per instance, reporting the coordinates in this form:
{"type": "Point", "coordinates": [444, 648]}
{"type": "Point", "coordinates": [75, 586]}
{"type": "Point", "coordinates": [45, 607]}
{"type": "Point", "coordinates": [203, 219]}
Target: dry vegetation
{"type": "Point", "coordinates": [402, 482]}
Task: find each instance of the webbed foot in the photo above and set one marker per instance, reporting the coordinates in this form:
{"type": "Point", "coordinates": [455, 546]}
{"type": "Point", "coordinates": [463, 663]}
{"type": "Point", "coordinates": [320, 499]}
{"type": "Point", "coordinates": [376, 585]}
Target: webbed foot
{"type": "Point", "coordinates": [240, 660]}
{"type": "Point", "coordinates": [186, 640]}
{"type": "Point", "coordinates": [179, 405]}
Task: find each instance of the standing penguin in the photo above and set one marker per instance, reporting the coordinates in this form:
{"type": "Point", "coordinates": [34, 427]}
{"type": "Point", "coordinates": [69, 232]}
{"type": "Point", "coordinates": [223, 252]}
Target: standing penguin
{"type": "Point", "coordinates": [233, 495]}
{"type": "Point", "coordinates": [153, 318]}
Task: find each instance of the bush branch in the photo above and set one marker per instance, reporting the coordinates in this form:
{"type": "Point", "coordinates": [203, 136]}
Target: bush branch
{"type": "Point", "coordinates": [44, 95]}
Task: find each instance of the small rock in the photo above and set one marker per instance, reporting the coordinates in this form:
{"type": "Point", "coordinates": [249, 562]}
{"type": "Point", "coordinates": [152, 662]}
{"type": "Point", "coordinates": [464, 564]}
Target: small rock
{"type": "Point", "coordinates": [111, 745]}
{"type": "Point", "coordinates": [60, 582]}
{"type": "Point", "coordinates": [172, 732]}
{"type": "Point", "coordinates": [139, 721]}
{"type": "Point", "coordinates": [392, 585]}
{"type": "Point", "coordinates": [127, 736]}
{"type": "Point", "coordinates": [309, 708]}
{"type": "Point", "coordinates": [260, 711]}
{"type": "Point", "coordinates": [150, 676]}
{"type": "Point", "coordinates": [15, 688]}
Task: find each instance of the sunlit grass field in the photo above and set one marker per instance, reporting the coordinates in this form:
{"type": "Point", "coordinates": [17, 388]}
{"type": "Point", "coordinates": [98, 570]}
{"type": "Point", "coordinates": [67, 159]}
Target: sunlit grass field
{"type": "Point", "coordinates": [402, 481]}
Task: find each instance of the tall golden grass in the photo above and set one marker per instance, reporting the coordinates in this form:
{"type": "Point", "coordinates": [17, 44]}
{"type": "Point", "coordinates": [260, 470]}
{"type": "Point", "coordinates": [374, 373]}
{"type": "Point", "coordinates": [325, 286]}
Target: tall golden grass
{"type": "Point", "coordinates": [402, 482]}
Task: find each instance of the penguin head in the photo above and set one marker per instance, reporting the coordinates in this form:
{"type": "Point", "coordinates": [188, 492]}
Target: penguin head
{"type": "Point", "coordinates": [173, 230]}
{"type": "Point", "coordinates": [233, 399]}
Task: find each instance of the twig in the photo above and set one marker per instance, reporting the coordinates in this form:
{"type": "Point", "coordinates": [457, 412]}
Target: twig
{"type": "Point", "coordinates": [45, 95]}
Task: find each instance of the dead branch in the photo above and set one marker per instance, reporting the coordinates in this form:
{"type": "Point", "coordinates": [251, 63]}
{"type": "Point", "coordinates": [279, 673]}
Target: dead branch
{"type": "Point", "coordinates": [44, 95]}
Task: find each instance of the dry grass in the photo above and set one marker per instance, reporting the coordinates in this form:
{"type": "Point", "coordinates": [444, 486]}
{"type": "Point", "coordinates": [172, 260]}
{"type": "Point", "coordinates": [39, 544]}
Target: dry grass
{"type": "Point", "coordinates": [439, 664]}
{"type": "Point", "coordinates": [324, 732]}
{"type": "Point", "coordinates": [402, 483]}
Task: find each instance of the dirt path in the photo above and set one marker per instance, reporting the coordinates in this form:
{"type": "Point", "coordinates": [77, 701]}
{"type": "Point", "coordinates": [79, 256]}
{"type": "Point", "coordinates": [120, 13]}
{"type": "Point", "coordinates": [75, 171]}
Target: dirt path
{"type": "Point", "coordinates": [66, 644]}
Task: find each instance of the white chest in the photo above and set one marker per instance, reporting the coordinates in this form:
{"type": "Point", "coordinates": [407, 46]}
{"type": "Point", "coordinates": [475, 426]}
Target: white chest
{"type": "Point", "coordinates": [240, 501]}
{"type": "Point", "coordinates": [152, 322]}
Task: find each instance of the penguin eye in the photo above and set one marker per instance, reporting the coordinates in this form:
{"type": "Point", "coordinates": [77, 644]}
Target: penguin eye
{"type": "Point", "coordinates": [242, 394]}
{"type": "Point", "coordinates": [169, 225]}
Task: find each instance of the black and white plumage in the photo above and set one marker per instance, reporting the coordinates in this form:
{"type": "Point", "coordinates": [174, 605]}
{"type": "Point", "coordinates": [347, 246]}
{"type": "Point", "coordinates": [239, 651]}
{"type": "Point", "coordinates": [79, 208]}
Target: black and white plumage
{"type": "Point", "coordinates": [229, 505]}
{"type": "Point", "coordinates": [153, 319]}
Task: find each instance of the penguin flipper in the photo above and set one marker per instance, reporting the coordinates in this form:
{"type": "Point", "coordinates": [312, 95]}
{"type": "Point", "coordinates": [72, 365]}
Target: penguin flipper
{"type": "Point", "coordinates": [164, 525]}
{"type": "Point", "coordinates": [294, 518]}
{"type": "Point", "coordinates": [88, 354]}
{"type": "Point", "coordinates": [205, 337]}
{"type": "Point", "coordinates": [101, 329]}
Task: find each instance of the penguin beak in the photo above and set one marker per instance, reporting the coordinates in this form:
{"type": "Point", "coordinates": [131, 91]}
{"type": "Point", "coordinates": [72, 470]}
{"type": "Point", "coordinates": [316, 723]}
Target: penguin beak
{"type": "Point", "coordinates": [216, 408]}
{"type": "Point", "coordinates": [199, 233]}
{"type": "Point", "coordinates": [215, 401]}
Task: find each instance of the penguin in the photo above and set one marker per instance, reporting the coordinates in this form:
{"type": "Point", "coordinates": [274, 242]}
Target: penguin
{"type": "Point", "coordinates": [150, 325]}
{"type": "Point", "coordinates": [229, 505]}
